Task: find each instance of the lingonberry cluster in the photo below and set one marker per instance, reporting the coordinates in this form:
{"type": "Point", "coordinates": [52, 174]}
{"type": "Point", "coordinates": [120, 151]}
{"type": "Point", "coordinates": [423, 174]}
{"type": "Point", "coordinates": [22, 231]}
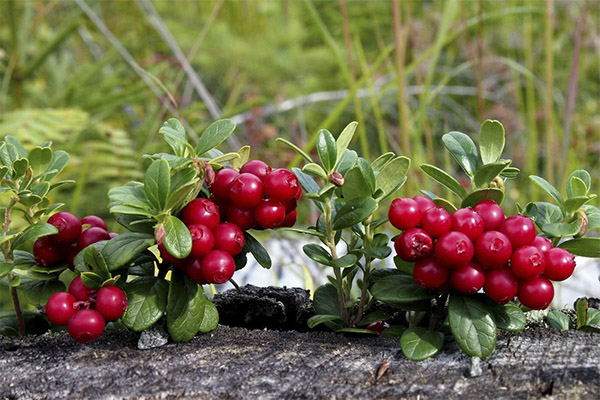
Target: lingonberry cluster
{"type": "Point", "coordinates": [475, 248]}
{"type": "Point", "coordinates": [72, 237]}
{"type": "Point", "coordinates": [85, 311]}
{"type": "Point", "coordinates": [255, 197]}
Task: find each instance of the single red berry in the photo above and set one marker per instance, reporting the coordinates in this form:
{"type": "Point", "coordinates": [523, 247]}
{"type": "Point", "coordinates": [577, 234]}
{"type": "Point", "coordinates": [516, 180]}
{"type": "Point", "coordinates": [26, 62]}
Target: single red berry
{"type": "Point", "coordinates": [290, 219]}
{"type": "Point", "coordinates": [468, 279]}
{"type": "Point", "coordinates": [290, 205]}
{"type": "Point", "coordinates": [413, 244]}
{"type": "Point", "coordinates": [425, 203]}
{"type": "Point", "coordinates": [299, 193]}
{"type": "Point", "coordinates": [536, 293]}
{"type": "Point", "coordinates": [218, 266]}
{"type": "Point", "coordinates": [436, 221]}
{"type": "Point", "coordinates": [269, 213]}
{"type": "Point", "coordinates": [527, 262]}
{"type": "Point", "coordinates": [560, 264]}
{"type": "Point", "coordinates": [429, 274]}
{"type": "Point", "coordinates": [68, 225]}
{"type": "Point", "coordinates": [60, 308]}
{"type": "Point", "coordinates": [377, 327]}
{"type": "Point", "coordinates": [243, 218]}
{"type": "Point", "coordinates": [491, 213]}
{"type": "Point", "coordinates": [229, 237]}
{"type": "Point", "coordinates": [111, 303]}
{"type": "Point", "coordinates": [256, 167]}
{"type": "Point", "coordinates": [220, 186]}
{"type": "Point", "coordinates": [519, 229]}
{"type": "Point", "coordinates": [166, 256]}
{"type": "Point", "coordinates": [78, 289]}
{"type": "Point", "coordinates": [493, 249]}
{"type": "Point", "coordinates": [501, 285]}
{"type": "Point", "coordinates": [194, 270]}
{"type": "Point", "coordinates": [91, 236]}
{"type": "Point", "coordinates": [404, 213]}
{"type": "Point", "coordinates": [542, 244]}
{"type": "Point", "coordinates": [201, 211]}
{"type": "Point", "coordinates": [70, 253]}
{"type": "Point", "coordinates": [47, 252]}
{"type": "Point", "coordinates": [246, 191]}
{"type": "Point", "coordinates": [467, 221]}
{"type": "Point", "coordinates": [453, 249]}
{"type": "Point", "coordinates": [203, 240]}
{"type": "Point", "coordinates": [281, 185]}
{"type": "Point", "coordinates": [94, 221]}
{"type": "Point", "coordinates": [86, 325]}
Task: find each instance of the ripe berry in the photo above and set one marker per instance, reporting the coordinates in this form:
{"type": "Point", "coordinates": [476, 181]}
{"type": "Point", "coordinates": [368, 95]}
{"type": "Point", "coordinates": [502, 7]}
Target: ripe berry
{"type": "Point", "coordinates": [47, 252]}
{"type": "Point", "coordinates": [79, 290]}
{"type": "Point", "coordinates": [290, 219]}
{"type": "Point", "coordinates": [492, 249]}
{"type": "Point", "coordinates": [527, 262]}
{"type": "Point", "coordinates": [536, 293]}
{"type": "Point", "coordinates": [166, 256]}
{"type": "Point", "coordinates": [290, 205]}
{"type": "Point", "coordinates": [281, 185]}
{"type": "Point", "coordinates": [203, 240]}
{"type": "Point", "coordinates": [201, 211]}
{"type": "Point", "coordinates": [377, 327]}
{"type": "Point", "coordinates": [404, 213]}
{"type": "Point", "coordinates": [194, 271]}
{"type": "Point", "coordinates": [491, 213]}
{"type": "Point", "coordinates": [542, 243]}
{"type": "Point", "coordinates": [111, 303]}
{"type": "Point", "coordinates": [220, 186]}
{"type": "Point", "coordinates": [86, 325]}
{"type": "Point", "coordinates": [453, 249]}
{"type": "Point", "coordinates": [60, 309]}
{"type": "Point", "coordinates": [429, 274]}
{"type": "Point", "coordinates": [425, 203]}
{"type": "Point", "coordinates": [560, 264]}
{"type": "Point", "coordinates": [218, 266]}
{"type": "Point", "coordinates": [246, 191]}
{"type": "Point", "coordinates": [436, 221]}
{"type": "Point", "coordinates": [70, 253]}
{"type": "Point", "coordinates": [467, 221]}
{"type": "Point", "coordinates": [243, 218]}
{"type": "Point", "coordinates": [68, 225]}
{"type": "Point", "coordinates": [519, 229]}
{"type": "Point", "coordinates": [229, 238]}
{"type": "Point", "coordinates": [91, 236]}
{"type": "Point", "coordinates": [94, 221]}
{"type": "Point", "coordinates": [413, 244]}
{"type": "Point", "coordinates": [256, 167]}
{"type": "Point", "coordinates": [269, 213]}
{"type": "Point", "coordinates": [501, 285]}
{"type": "Point", "coordinates": [468, 279]}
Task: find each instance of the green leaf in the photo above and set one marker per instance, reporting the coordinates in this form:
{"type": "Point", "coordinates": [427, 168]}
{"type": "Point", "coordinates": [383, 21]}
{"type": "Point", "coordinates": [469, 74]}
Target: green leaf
{"type": "Point", "coordinates": [345, 261]}
{"type": "Point", "coordinates": [310, 232]}
{"type": "Point", "coordinates": [131, 194]}
{"type": "Point", "coordinates": [214, 135]}
{"type": "Point", "coordinates": [21, 151]}
{"type": "Point", "coordinates": [551, 190]}
{"type": "Point", "coordinates": [20, 167]}
{"type": "Point", "coordinates": [129, 210]}
{"type": "Point", "coordinates": [147, 298]}
{"type": "Point", "coordinates": [326, 300]}
{"type": "Point", "coordinates": [375, 316]}
{"type": "Point", "coordinates": [572, 204]}
{"type": "Point", "coordinates": [296, 149]}
{"type": "Point", "coordinates": [394, 331]}
{"type": "Point", "coordinates": [178, 240]}
{"type": "Point", "coordinates": [343, 141]}
{"type": "Point", "coordinates": [59, 161]}
{"type": "Point", "coordinates": [382, 161]}
{"type": "Point", "coordinates": [576, 187]}
{"type": "Point", "coordinates": [308, 184]}
{"type": "Point", "coordinates": [210, 317]}
{"type": "Point", "coordinates": [122, 249]}
{"type": "Point", "coordinates": [8, 155]}
{"type": "Point", "coordinates": [323, 318]}
{"type": "Point", "coordinates": [487, 173]}
{"type": "Point", "coordinates": [420, 344]}
{"type": "Point", "coordinates": [354, 211]}
{"type": "Point", "coordinates": [561, 229]}
{"type": "Point", "coordinates": [174, 134]}
{"type": "Point", "coordinates": [38, 292]}
{"type": "Point", "coordinates": [581, 307]}
{"type": "Point", "coordinates": [491, 141]}
{"type": "Point", "coordinates": [558, 320]}
{"type": "Point", "coordinates": [508, 316]}
{"type": "Point", "coordinates": [381, 252]}
{"type": "Point", "coordinates": [463, 150]}
{"type": "Point", "coordinates": [244, 156]}
{"type": "Point", "coordinates": [226, 157]}
{"type": "Point", "coordinates": [92, 280]}
{"type": "Point", "coordinates": [314, 169]}
{"type": "Point", "coordinates": [472, 325]}
{"type": "Point", "coordinates": [398, 289]}
{"type": "Point", "coordinates": [185, 307]}
{"type": "Point", "coordinates": [258, 251]}
{"type": "Point", "coordinates": [445, 179]}
{"type": "Point", "coordinates": [593, 317]}
{"type": "Point", "coordinates": [543, 213]}
{"type": "Point", "coordinates": [483, 194]}
{"type": "Point", "coordinates": [78, 262]}
{"type": "Point", "coordinates": [593, 214]}
{"type": "Point", "coordinates": [33, 232]}
{"type": "Point", "coordinates": [510, 173]}
{"type": "Point", "coordinates": [95, 262]}
{"type": "Point", "coordinates": [392, 176]}
{"type": "Point", "coordinates": [157, 184]}
{"type": "Point", "coordinates": [355, 184]}
{"type": "Point", "coordinates": [326, 148]}
{"type": "Point", "coordinates": [348, 160]}
{"type": "Point", "coordinates": [5, 268]}
{"type": "Point", "coordinates": [445, 204]}
{"type": "Point", "coordinates": [356, 330]}
{"type": "Point", "coordinates": [317, 253]}
{"type": "Point", "coordinates": [367, 173]}
{"type": "Point", "coordinates": [583, 247]}
{"type": "Point", "coordinates": [39, 159]}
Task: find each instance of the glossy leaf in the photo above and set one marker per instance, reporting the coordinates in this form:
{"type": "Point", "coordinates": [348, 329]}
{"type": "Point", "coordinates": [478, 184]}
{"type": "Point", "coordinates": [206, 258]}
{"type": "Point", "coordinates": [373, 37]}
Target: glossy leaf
{"type": "Point", "coordinates": [398, 289]}
{"type": "Point", "coordinates": [147, 298]}
{"type": "Point", "coordinates": [314, 169]}
{"type": "Point", "coordinates": [510, 173]}
{"type": "Point", "coordinates": [178, 240]}
{"type": "Point", "coordinates": [375, 316]}
{"type": "Point", "coordinates": [419, 344]}
{"type": "Point", "coordinates": [122, 249]}
{"type": "Point", "coordinates": [345, 261]}
{"type": "Point", "coordinates": [392, 176]}
{"type": "Point", "coordinates": [463, 150]}
{"type": "Point", "coordinates": [572, 204]}
{"type": "Point", "coordinates": [92, 280]}
{"type": "Point", "coordinates": [323, 318]}
{"type": "Point", "coordinates": [326, 300]}
{"type": "Point", "coordinates": [355, 184]}
{"type": "Point", "coordinates": [348, 160]}
{"type": "Point", "coordinates": [307, 183]}
{"type": "Point", "coordinates": [33, 232]}
{"type": "Point", "coordinates": [543, 213]}
{"type": "Point", "coordinates": [445, 204]}
{"type": "Point", "coordinates": [38, 292]}
{"type": "Point", "coordinates": [576, 187]}
{"type": "Point", "coordinates": [472, 325]}
{"type": "Point", "coordinates": [174, 134]}
{"type": "Point", "coordinates": [95, 262]}
{"type": "Point", "coordinates": [558, 320]}
{"type": "Point", "coordinates": [581, 308]}
{"type": "Point", "coordinates": [39, 159]}
{"type": "Point", "coordinates": [59, 161]}
{"type": "Point", "coordinates": [214, 135]}
{"type": "Point", "coordinates": [508, 316]}
{"type": "Point", "coordinates": [130, 194]}
{"type": "Point", "coordinates": [491, 141]}
{"type": "Point", "coordinates": [487, 173]}
{"type": "Point", "coordinates": [210, 317]}
{"type": "Point", "coordinates": [157, 184]}
{"type": "Point", "coordinates": [354, 211]}
{"type": "Point", "coordinates": [551, 190]}
{"type": "Point", "coordinates": [368, 173]}
{"type": "Point", "coordinates": [317, 253]}
{"type": "Point", "coordinates": [583, 247]}
{"type": "Point", "coordinates": [561, 229]}
{"type": "Point", "coordinates": [185, 307]}
{"type": "Point", "coordinates": [258, 251]}
{"type": "Point", "coordinates": [5, 268]}
{"type": "Point", "coordinates": [477, 196]}
{"type": "Point", "coordinates": [593, 215]}
{"type": "Point", "coordinates": [382, 161]}
{"type": "Point", "coordinates": [445, 179]}
{"type": "Point", "coordinates": [296, 149]}
{"type": "Point", "coordinates": [326, 148]}
{"type": "Point", "coordinates": [344, 139]}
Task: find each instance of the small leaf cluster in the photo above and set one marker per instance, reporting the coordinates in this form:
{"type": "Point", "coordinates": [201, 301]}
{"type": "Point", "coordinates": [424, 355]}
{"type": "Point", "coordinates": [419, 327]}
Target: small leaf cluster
{"type": "Point", "coordinates": [586, 318]}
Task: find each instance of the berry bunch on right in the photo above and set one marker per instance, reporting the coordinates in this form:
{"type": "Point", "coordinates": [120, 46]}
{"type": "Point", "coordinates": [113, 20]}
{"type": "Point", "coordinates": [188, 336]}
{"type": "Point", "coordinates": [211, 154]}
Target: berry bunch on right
{"type": "Point", "coordinates": [478, 248]}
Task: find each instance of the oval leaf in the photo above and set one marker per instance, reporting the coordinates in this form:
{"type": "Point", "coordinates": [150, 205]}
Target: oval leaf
{"type": "Point", "coordinates": [445, 179]}
{"type": "Point", "coordinates": [345, 261]}
{"type": "Point", "coordinates": [326, 300]}
{"type": "Point", "coordinates": [185, 307]}
{"type": "Point", "coordinates": [314, 169]}
{"type": "Point", "coordinates": [178, 240]}
{"type": "Point", "coordinates": [174, 134]}
{"type": "Point", "coordinates": [576, 187]}
{"type": "Point", "coordinates": [354, 211]}
{"type": "Point", "coordinates": [508, 316]}
{"type": "Point", "coordinates": [463, 150]}
{"type": "Point", "coordinates": [322, 318]}
{"type": "Point", "coordinates": [157, 184]}
{"type": "Point", "coordinates": [355, 184]}
{"type": "Point", "coordinates": [122, 249]}
{"type": "Point", "coordinates": [210, 317]}
{"type": "Point", "coordinates": [491, 141]}
{"type": "Point", "coordinates": [558, 320]}
{"type": "Point", "coordinates": [398, 289]}
{"type": "Point", "coordinates": [345, 138]}
{"type": "Point", "coordinates": [420, 344]}
{"type": "Point", "coordinates": [472, 326]}
{"type": "Point", "coordinates": [317, 253]}
{"type": "Point", "coordinates": [486, 174]}
{"type": "Point", "coordinates": [551, 190]}
{"type": "Point", "coordinates": [147, 298]}
{"type": "Point", "coordinates": [214, 135]}
{"type": "Point", "coordinates": [33, 232]}
{"type": "Point", "coordinates": [326, 149]}
{"type": "Point", "coordinates": [483, 194]}
{"type": "Point", "coordinates": [257, 250]}
{"type": "Point", "coordinates": [583, 247]}
{"type": "Point", "coordinates": [392, 176]}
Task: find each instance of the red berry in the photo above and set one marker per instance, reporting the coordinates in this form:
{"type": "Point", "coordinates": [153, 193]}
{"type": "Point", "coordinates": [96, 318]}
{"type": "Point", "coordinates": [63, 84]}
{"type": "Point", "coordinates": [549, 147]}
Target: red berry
{"type": "Point", "coordinates": [201, 211]}
{"type": "Point", "coordinates": [218, 266]}
{"type": "Point", "coordinates": [243, 218]}
{"type": "Point", "coordinates": [290, 205]}
{"type": "Point", "coordinates": [560, 264]}
{"type": "Point", "coordinates": [68, 225]}
{"type": "Point", "coordinates": [79, 290]}
{"type": "Point", "coordinates": [269, 213]}
{"type": "Point", "coordinates": [256, 167]}
{"type": "Point", "coordinates": [166, 256]}
{"type": "Point", "coordinates": [281, 185]}
{"type": "Point", "coordinates": [223, 179]}
{"type": "Point", "coordinates": [491, 213]}
{"type": "Point", "coordinates": [501, 285]}
{"type": "Point", "coordinates": [47, 252]}
{"type": "Point", "coordinates": [536, 293]}
{"type": "Point", "coordinates": [203, 240]}
{"type": "Point", "coordinates": [453, 249]}
{"type": "Point", "coordinates": [492, 249]}
{"type": "Point", "coordinates": [377, 327]}
{"type": "Point", "coordinates": [425, 203]}
{"type": "Point", "coordinates": [229, 237]}
{"type": "Point", "coordinates": [111, 303]}
{"type": "Point", "coordinates": [86, 325]}
{"type": "Point", "coordinates": [468, 278]}
{"type": "Point", "coordinates": [194, 271]}
{"type": "Point", "coordinates": [527, 262]}
{"type": "Point", "coordinates": [542, 244]}
{"type": "Point", "coordinates": [290, 219]}
{"type": "Point", "coordinates": [91, 236]}
{"type": "Point", "coordinates": [519, 229]}
{"type": "Point", "coordinates": [436, 221]}
{"type": "Point", "coordinates": [429, 274]}
{"type": "Point", "coordinates": [60, 309]}
{"type": "Point", "coordinates": [404, 213]}
{"type": "Point", "coordinates": [94, 221]}
{"type": "Point", "coordinates": [246, 191]}
{"type": "Point", "coordinates": [467, 221]}
{"type": "Point", "coordinates": [413, 244]}
{"type": "Point", "coordinates": [70, 253]}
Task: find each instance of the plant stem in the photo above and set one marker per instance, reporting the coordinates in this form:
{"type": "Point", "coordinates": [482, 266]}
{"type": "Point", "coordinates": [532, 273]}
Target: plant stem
{"type": "Point", "coordinates": [336, 271]}
{"type": "Point", "coordinates": [367, 272]}
{"type": "Point", "coordinates": [9, 259]}
{"type": "Point", "coordinates": [17, 306]}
